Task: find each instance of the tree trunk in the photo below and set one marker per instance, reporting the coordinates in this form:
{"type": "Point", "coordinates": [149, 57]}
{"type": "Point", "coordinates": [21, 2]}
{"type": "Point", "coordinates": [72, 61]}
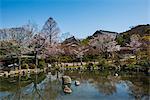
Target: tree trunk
{"type": "Point", "coordinates": [36, 60]}
{"type": "Point", "coordinates": [73, 63]}
{"type": "Point", "coordinates": [50, 39]}
{"type": "Point", "coordinates": [19, 58]}
{"type": "Point", "coordinates": [57, 75]}
{"type": "Point", "coordinates": [81, 60]}
{"type": "Point", "coordinates": [19, 87]}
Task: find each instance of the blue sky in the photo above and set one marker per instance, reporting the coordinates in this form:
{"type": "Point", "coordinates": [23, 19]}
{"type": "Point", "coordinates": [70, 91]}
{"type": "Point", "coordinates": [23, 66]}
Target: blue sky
{"type": "Point", "coordinates": [79, 17]}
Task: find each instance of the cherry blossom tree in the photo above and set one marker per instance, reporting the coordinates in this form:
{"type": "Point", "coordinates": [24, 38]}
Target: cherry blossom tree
{"type": "Point", "coordinates": [80, 51]}
{"type": "Point", "coordinates": [135, 41]}
{"type": "Point", "coordinates": [105, 44]}
{"type": "Point", "coordinates": [44, 42]}
{"type": "Point", "coordinates": [100, 42]}
{"type": "Point", "coordinates": [19, 39]}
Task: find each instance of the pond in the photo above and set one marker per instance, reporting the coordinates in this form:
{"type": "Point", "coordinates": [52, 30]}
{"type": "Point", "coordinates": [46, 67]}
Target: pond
{"type": "Point", "coordinates": [95, 85]}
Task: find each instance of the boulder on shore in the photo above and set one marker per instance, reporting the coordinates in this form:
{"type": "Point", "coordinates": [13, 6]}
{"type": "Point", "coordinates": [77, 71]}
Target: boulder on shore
{"type": "Point", "coordinates": [77, 83]}
{"type": "Point", "coordinates": [66, 80]}
{"type": "Point", "coordinates": [67, 89]}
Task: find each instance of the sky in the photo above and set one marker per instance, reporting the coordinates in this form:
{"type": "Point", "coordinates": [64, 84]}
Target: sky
{"type": "Point", "coordinates": [79, 17]}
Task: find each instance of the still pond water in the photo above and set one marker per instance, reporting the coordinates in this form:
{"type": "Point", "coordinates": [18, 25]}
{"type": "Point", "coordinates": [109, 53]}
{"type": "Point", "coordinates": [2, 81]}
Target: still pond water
{"type": "Point", "coordinates": [95, 85]}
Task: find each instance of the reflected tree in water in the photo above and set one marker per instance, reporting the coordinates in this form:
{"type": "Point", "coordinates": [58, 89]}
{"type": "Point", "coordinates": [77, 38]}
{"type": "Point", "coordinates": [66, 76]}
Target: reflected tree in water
{"type": "Point", "coordinates": [138, 87]}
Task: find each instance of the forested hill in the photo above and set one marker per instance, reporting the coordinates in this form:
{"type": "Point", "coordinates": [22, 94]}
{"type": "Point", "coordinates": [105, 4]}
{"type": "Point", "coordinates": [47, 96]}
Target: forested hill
{"type": "Point", "coordinates": [141, 31]}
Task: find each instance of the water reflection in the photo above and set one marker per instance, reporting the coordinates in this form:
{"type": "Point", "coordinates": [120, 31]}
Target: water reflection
{"type": "Point", "coordinates": [94, 85]}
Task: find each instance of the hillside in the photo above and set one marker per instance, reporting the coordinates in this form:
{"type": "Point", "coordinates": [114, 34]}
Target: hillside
{"type": "Point", "coordinates": [140, 31]}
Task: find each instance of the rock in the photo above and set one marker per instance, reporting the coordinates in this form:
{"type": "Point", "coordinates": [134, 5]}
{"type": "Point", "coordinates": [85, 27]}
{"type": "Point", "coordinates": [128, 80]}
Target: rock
{"type": "Point", "coordinates": [148, 70]}
{"type": "Point", "coordinates": [66, 80]}
{"type": "Point", "coordinates": [67, 89]}
{"type": "Point", "coordinates": [77, 83]}
{"type": "Point", "coordinates": [116, 74]}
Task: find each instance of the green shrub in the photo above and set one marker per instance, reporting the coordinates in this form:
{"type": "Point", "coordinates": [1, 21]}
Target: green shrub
{"type": "Point", "coordinates": [131, 61]}
{"type": "Point", "coordinates": [131, 66]}
{"type": "Point", "coordinates": [32, 66]}
{"type": "Point", "coordinates": [24, 66]}
{"type": "Point", "coordinates": [103, 62]}
{"type": "Point", "coordinates": [90, 66]}
{"type": "Point", "coordinates": [84, 42]}
{"type": "Point", "coordinates": [66, 59]}
{"type": "Point", "coordinates": [90, 58]}
{"type": "Point", "coordinates": [122, 39]}
{"type": "Point", "coordinates": [144, 63]}
{"type": "Point", "coordinates": [41, 64]}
